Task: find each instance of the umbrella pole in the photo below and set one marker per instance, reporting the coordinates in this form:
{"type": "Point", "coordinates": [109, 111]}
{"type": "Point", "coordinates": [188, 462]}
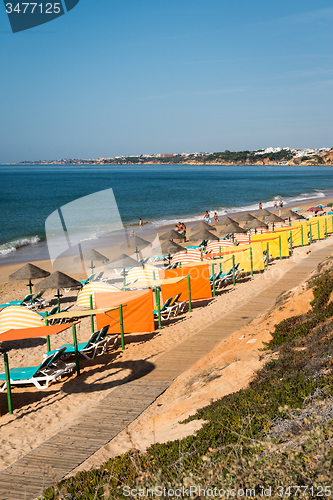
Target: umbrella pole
{"type": "Point", "coordinates": [233, 270]}
{"type": "Point", "coordinates": [9, 390]}
{"type": "Point", "coordinates": [251, 260]}
{"type": "Point", "coordinates": [291, 243]}
{"type": "Point", "coordinates": [77, 362]}
{"type": "Point", "coordinates": [325, 227]}
{"type": "Point", "coordinates": [30, 287]}
{"type": "Point", "coordinates": [267, 254]}
{"type": "Point", "coordinates": [92, 267]}
{"type": "Point", "coordinates": [189, 293]}
{"type": "Point", "coordinates": [48, 336]}
{"type": "Point", "coordinates": [318, 230]}
{"type": "Point", "coordinates": [220, 262]}
{"type": "Point", "coordinates": [91, 317]}
{"type": "Point", "coordinates": [121, 321]}
{"type": "Point", "coordinates": [310, 232]}
{"type": "Point", "coordinates": [158, 304]}
{"type": "Point", "coordinates": [280, 249]}
{"type": "Point", "coordinates": [213, 273]}
{"type": "Point", "coordinates": [58, 295]}
{"type": "Point", "coordinates": [302, 235]}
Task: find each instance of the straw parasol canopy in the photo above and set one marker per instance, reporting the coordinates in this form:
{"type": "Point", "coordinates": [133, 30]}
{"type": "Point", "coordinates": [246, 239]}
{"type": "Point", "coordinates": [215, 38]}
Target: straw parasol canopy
{"type": "Point", "coordinates": [204, 234]}
{"type": "Point", "coordinates": [232, 229]}
{"type": "Point", "coordinates": [123, 261]}
{"type": "Point", "coordinates": [93, 256]}
{"type": "Point", "coordinates": [57, 281]}
{"type": "Point", "coordinates": [262, 214]}
{"type": "Point", "coordinates": [246, 217]}
{"type": "Point", "coordinates": [203, 225]}
{"type": "Point", "coordinates": [255, 224]}
{"type": "Point", "coordinates": [291, 215]}
{"type": "Point", "coordinates": [29, 272]}
{"type": "Point", "coordinates": [225, 221]}
{"type": "Point", "coordinates": [169, 247]}
{"type": "Point", "coordinates": [172, 235]}
{"type": "Point", "coordinates": [273, 218]}
{"type": "Point", "coordinates": [135, 243]}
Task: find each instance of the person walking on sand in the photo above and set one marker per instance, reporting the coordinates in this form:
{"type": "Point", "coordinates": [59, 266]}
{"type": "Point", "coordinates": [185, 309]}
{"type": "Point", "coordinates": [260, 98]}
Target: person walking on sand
{"type": "Point", "coordinates": [260, 205]}
{"type": "Point", "coordinates": [216, 218]}
{"type": "Point", "coordinates": [275, 205]}
{"type": "Point", "coordinates": [206, 217]}
{"type": "Point", "coordinates": [280, 206]}
{"type": "Point", "coordinates": [140, 224]}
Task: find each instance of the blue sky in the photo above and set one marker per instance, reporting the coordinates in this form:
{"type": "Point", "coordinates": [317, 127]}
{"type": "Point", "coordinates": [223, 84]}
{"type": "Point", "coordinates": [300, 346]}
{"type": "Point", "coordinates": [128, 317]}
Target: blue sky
{"type": "Point", "coordinates": [128, 77]}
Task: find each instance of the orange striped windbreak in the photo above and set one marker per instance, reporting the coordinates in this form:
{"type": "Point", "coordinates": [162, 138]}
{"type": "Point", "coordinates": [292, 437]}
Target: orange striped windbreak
{"type": "Point", "coordinates": [30, 333]}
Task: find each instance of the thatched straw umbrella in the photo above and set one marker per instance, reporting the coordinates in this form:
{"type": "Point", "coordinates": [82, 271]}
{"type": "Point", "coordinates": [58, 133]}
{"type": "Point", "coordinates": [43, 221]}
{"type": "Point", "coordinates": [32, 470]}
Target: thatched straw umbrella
{"type": "Point", "coordinates": [57, 281]}
{"type": "Point", "coordinates": [246, 217]}
{"type": "Point", "coordinates": [172, 235]}
{"type": "Point", "coordinates": [169, 247]}
{"type": "Point", "coordinates": [291, 215]}
{"type": "Point", "coordinates": [92, 256]}
{"type": "Point", "coordinates": [203, 225]}
{"type": "Point", "coordinates": [255, 224]}
{"type": "Point", "coordinates": [135, 244]}
{"type": "Point", "coordinates": [262, 214]}
{"type": "Point", "coordinates": [204, 234]}
{"type": "Point", "coordinates": [29, 272]}
{"type": "Point", "coordinates": [225, 221]}
{"type": "Point", "coordinates": [123, 261]}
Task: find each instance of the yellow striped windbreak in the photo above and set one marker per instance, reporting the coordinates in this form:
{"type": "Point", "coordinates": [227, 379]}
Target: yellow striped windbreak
{"type": "Point", "coordinates": [19, 317]}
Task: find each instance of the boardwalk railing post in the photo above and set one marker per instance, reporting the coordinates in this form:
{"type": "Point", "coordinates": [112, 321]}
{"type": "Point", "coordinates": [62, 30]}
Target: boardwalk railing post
{"type": "Point", "coordinates": [91, 317]}
{"type": "Point", "coordinates": [121, 321]}
{"type": "Point", "coordinates": [189, 293]}
{"type": "Point", "coordinates": [7, 374]}
{"type": "Point", "coordinates": [77, 362]}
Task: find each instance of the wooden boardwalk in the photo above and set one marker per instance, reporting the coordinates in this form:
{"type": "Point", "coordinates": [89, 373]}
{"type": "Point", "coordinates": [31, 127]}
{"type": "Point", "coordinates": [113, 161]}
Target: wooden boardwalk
{"type": "Point", "coordinates": [58, 456]}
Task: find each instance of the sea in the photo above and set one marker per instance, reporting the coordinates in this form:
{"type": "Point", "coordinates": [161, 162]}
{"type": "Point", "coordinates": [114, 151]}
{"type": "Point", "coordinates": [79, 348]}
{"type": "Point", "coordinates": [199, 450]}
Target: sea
{"type": "Point", "coordinates": [160, 195]}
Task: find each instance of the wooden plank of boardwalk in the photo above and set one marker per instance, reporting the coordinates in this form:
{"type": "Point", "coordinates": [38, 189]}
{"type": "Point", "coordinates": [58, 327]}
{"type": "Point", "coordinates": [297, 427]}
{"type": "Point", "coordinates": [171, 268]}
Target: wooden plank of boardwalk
{"type": "Point", "coordinates": [55, 458]}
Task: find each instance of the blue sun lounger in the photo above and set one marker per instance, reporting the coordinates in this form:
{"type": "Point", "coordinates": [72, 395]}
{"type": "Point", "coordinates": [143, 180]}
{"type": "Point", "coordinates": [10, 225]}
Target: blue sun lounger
{"type": "Point", "coordinates": [48, 371]}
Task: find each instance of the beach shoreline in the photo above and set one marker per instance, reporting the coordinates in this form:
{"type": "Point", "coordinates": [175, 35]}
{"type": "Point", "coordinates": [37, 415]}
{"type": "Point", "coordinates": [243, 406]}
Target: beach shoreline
{"type": "Point", "coordinates": [26, 254]}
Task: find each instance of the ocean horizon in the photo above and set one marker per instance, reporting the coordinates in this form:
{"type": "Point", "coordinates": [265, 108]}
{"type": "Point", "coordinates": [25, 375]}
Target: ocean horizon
{"type": "Point", "coordinates": [160, 195]}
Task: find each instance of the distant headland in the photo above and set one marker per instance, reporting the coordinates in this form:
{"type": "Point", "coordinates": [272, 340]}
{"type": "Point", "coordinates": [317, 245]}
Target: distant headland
{"type": "Point", "coordinates": [268, 156]}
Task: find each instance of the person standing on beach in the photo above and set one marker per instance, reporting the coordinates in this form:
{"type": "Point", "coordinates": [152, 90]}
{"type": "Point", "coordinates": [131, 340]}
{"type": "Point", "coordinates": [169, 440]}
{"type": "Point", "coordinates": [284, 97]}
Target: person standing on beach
{"type": "Point", "coordinates": [206, 217]}
{"type": "Point", "coordinates": [260, 205]}
{"type": "Point", "coordinates": [275, 205]}
{"type": "Point", "coordinates": [140, 224]}
{"type": "Point", "coordinates": [280, 206]}
{"type": "Point", "coordinates": [216, 218]}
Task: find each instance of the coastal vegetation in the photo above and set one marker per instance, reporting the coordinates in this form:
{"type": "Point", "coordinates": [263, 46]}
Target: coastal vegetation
{"type": "Point", "coordinates": [275, 433]}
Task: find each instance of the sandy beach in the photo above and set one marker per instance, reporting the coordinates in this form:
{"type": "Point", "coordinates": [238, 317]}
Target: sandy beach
{"type": "Point", "coordinates": [39, 415]}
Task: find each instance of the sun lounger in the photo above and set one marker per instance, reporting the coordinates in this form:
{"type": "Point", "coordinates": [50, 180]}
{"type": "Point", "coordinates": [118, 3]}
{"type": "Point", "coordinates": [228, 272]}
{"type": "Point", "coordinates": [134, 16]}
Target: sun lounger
{"type": "Point", "coordinates": [89, 279]}
{"type": "Point", "coordinates": [175, 307]}
{"type": "Point", "coordinates": [22, 302]}
{"type": "Point", "coordinates": [49, 313]}
{"type": "Point", "coordinates": [37, 375]}
{"type": "Point", "coordinates": [96, 345]}
{"type": "Point", "coordinates": [37, 301]}
{"type": "Point", "coordinates": [97, 278]}
{"type": "Point", "coordinates": [165, 305]}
